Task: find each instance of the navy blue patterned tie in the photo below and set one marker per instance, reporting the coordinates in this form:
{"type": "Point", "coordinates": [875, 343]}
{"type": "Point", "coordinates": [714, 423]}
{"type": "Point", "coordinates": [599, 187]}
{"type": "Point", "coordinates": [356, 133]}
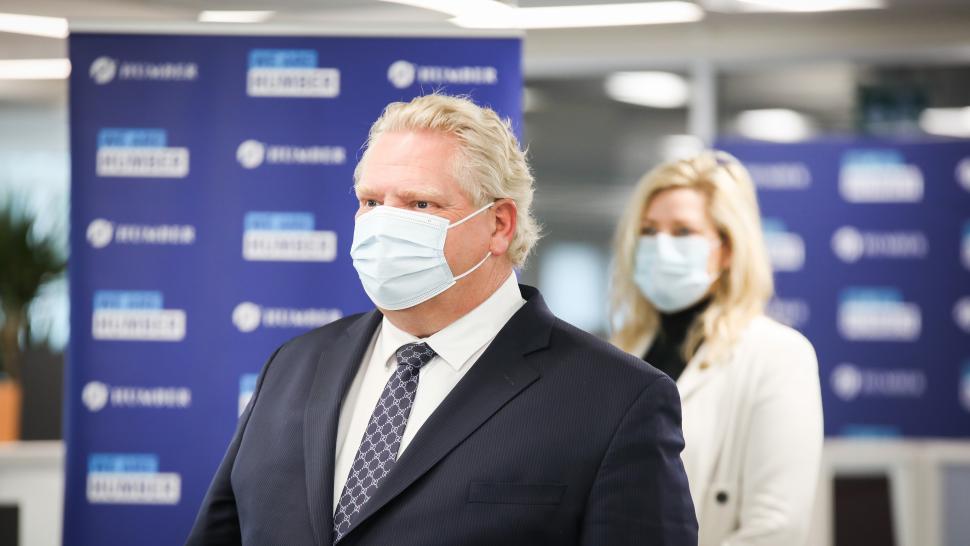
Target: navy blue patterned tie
{"type": "Point", "coordinates": [382, 439]}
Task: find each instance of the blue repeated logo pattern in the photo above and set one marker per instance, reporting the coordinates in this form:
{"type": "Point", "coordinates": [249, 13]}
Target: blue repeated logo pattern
{"type": "Point", "coordinates": [886, 258]}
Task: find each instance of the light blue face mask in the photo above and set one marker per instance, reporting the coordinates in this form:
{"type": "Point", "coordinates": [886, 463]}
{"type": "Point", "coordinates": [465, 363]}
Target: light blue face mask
{"type": "Point", "coordinates": [671, 272]}
{"type": "Point", "coordinates": [400, 256]}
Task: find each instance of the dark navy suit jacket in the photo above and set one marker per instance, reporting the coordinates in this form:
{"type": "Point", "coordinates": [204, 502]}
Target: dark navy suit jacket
{"type": "Point", "coordinates": [552, 437]}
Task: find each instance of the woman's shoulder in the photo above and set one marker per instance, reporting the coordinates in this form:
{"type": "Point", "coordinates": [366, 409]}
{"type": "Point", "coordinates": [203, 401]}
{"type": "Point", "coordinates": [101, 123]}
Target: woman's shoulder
{"type": "Point", "coordinates": [768, 337]}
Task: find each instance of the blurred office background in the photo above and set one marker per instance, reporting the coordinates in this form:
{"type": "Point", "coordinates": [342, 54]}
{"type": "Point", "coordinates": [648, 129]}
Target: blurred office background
{"type": "Point", "coordinates": [601, 106]}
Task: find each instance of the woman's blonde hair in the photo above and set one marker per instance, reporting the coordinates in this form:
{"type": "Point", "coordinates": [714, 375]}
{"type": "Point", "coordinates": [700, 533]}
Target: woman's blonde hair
{"type": "Point", "coordinates": [490, 165]}
{"type": "Point", "coordinates": [743, 288]}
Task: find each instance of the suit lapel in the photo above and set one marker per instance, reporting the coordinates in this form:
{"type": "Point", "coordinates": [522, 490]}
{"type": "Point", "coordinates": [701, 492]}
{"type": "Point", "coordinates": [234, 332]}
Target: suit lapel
{"type": "Point", "coordinates": [498, 376]}
{"type": "Point", "coordinates": [334, 373]}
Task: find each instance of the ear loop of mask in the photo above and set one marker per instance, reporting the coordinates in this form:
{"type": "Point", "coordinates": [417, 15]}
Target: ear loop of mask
{"type": "Point", "coordinates": [470, 216]}
{"type": "Point", "coordinates": [472, 270]}
{"type": "Point", "coordinates": [487, 256]}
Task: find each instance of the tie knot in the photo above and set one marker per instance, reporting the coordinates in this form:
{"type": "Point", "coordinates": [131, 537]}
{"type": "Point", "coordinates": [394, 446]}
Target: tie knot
{"type": "Point", "coordinates": [414, 355]}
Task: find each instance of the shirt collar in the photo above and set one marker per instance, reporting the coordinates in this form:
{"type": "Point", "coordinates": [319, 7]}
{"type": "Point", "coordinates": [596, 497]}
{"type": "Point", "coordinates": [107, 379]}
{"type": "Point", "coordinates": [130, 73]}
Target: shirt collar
{"type": "Point", "coordinates": [458, 341]}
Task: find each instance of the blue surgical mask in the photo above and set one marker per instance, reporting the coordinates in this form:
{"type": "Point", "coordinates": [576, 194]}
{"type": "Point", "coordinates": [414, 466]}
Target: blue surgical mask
{"type": "Point", "coordinates": [671, 272]}
{"type": "Point", "coordinates": [400, 256]}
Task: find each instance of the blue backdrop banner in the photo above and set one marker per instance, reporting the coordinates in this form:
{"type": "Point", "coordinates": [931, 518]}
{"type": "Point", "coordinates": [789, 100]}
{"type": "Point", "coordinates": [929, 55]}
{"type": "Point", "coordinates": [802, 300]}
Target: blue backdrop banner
{"type": "Point", "coordinates": [870, 242]}
{"type": "Point", "coordinates": [211, 220]}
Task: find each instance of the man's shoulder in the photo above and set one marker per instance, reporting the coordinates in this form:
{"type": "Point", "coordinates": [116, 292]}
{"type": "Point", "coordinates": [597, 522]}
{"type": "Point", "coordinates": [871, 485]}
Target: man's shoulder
{"type": "Point", "coordinates": [327, 333]}
{"type": "Point", "coordinates": [303, 351]}
{"type": "Point", "coordinates": [574, 347]}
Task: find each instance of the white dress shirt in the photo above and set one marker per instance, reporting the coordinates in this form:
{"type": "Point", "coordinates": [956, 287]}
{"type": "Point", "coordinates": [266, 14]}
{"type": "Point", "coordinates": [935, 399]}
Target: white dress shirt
{"type": "Point", "coordinates": [458, 347]}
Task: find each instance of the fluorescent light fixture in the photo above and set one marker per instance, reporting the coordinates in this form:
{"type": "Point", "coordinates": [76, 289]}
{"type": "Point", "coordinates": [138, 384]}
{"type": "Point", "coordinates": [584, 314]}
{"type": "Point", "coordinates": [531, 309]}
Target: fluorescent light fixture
{"type": "Point", "coordinates": [651, 89]}
{"type": "Point", "coordinates": [457, 7]}
{"type": "Point", "coordinates": [234, 16]}
{"type": "Point", "coordinates": [492, 14]}
{"type": "Point", "coordinates": [35, 69]}
{"type": "Point", "coordinates": [808, 6]}
{"type": "Point", "coordinates": [951, 122]}
{"type": "Point", "coordinates": [774, 124]}
{"type": "Point", "coordinates": [596, 15]}
{"type": "Point", "coordinates": [48, 27]}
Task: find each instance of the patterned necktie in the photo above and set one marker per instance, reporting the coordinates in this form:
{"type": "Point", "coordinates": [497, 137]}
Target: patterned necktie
{"type": "Point", "coordinates": [382, 439]}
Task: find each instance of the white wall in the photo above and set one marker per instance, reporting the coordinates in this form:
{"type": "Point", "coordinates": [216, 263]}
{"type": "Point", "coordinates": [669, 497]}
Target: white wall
{"type": "Point", "coordinates": [32, 477]}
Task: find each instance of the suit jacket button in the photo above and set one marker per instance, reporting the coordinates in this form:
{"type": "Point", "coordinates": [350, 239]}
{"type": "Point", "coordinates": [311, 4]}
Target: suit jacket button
{"type": "Point", "coordinates": [722, 497]}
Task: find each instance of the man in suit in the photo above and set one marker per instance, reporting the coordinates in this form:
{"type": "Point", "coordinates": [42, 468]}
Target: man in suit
{"type": "Point", "coordinates": [461, 411]}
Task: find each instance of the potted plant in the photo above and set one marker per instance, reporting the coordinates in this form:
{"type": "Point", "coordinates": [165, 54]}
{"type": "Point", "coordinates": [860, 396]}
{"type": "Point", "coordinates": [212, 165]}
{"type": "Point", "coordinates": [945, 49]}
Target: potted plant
{"type": "Point", "coordinates": [26, 263]}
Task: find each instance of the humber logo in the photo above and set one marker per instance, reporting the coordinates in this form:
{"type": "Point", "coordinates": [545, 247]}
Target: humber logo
{"type": "Point", "coordinates": [851, 245]}
{"type": "Point", "coordinates": [95, 396]}
{"type": "Point", "coordinates": [963, 173]}
{"type": "Point", "coordinates": [961, 313]}
{"type": "Point", "coordinates": [100, 232]}
{"type": "Point", "coordinates": [248, 316]}
{"type": "Point", "coordinates": [286, 237]}
{"type": "Point", "coordinates": [290, 73]}
{"type": "Point", "coordinates": [139, 153]}
{"type": "Point", "coordinates": [131, 478]}
{"type": "Point", "coordinates": [786, 249]}
{"type": "Point", "coordinates": [849, 382]}
{"type": "Point", "coordinates": [127, 315]}
{"type": "Point", "coordinates": [879, 176]}
{"type": "Point", "coordinates": [846, 381]}
{"type": "Point", "coordinates": [780, 176]}
{"type": "Point", "coordinates": [878, 314]}
{"type": "Point", "coordinates": [403, 74]}
{"type": "Point", "coordinates": [250, 154]}
{"type": "Point", "coordinates": [103, 70]}
{"type": "Point", "coordinates": [253, 153]}
{"type": "Point", "coordinates": [848, 245]}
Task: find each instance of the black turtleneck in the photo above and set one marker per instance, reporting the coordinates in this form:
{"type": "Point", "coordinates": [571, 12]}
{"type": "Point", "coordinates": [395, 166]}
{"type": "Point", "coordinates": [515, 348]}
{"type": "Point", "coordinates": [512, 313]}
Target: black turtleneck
{"type": "Point", "coordinates": [666, 351]}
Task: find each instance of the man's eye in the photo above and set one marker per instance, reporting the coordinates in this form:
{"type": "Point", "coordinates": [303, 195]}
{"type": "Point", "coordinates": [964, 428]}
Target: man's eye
{"type": "Point", "coordinates": [422, 204]}
{"type": "Point", "coordinates": [371, 203]}
{"type": "Point", "coordinates": [648, 231]}
{"type": "Point", "coordinates": [683, 232]}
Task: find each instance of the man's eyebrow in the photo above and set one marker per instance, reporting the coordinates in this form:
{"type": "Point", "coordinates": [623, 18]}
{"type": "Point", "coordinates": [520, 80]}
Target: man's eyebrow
{"type": "Point", "coordinates": [420, 194]}
{"type": "Point", "coordinates": [363, 189]}
{"type": "Point", "coordinates": [407, 194]}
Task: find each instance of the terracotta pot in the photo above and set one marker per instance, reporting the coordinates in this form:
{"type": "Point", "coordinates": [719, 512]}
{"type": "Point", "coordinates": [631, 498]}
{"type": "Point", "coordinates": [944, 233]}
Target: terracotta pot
{"type": "Point", "coordinates": [10, 407]}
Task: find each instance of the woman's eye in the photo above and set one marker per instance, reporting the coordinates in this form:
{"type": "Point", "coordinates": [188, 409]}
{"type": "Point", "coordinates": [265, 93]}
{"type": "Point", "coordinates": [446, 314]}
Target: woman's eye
{"type": "Point", "coordinates": [370, 203]}
{"type": "Point", "coordinates": [648, 231]}
{"type": "Point", "coordinates": [683, 232]}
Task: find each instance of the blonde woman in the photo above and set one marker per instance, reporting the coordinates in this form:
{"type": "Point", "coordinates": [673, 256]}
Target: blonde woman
{"type": "Point", "coordinates": [690, 285]}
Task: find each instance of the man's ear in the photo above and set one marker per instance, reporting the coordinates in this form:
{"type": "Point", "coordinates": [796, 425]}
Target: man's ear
{"type": "Point", "coordinates": [506, 217]}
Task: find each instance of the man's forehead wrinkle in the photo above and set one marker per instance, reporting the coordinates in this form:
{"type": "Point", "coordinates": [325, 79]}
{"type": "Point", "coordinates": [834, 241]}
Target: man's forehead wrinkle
{"type": "Point", "coordinates": [434, 166]}
{"type": "Point", "coordinates": [421, 191]}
